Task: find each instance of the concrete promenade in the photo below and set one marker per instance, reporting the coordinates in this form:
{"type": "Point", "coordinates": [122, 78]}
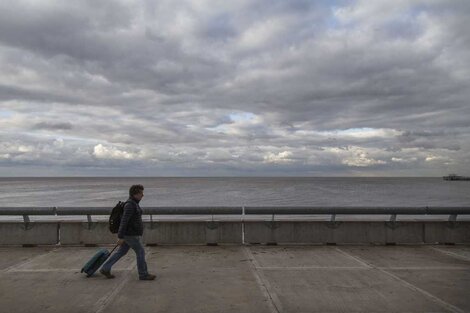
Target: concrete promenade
{"type": "Point", "coordinates": [241, 278]}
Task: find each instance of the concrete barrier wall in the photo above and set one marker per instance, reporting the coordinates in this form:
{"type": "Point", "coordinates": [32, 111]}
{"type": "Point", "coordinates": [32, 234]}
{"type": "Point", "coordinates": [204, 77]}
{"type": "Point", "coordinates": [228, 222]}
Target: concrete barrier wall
{"type": "Point", "coordinates": [313, 232]}
{"type": "Point", "coordinates": [72, 233]}
{"type": "Point", "coordinates": [33, 233]}
{"type": "Point", "coordinates": [193, 233]}
{"type": "Point", "coordinates": [447, 232]}
{"type": "Point", "coordinates": [77, 233]}
{"type": "Point", "coordinates": [356, 232]}
{"type": "Point", "coordinates": [226, 232]}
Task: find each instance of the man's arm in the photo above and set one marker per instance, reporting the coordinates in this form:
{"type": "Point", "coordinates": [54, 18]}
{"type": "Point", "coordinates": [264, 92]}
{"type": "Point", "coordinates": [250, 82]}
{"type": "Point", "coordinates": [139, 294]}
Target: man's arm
{"type": "Point", "coordinates": [126, 215]}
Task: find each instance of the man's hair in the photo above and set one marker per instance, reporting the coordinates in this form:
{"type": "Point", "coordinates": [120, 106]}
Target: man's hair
{"type": "Point", "coordinates": [135, 189]}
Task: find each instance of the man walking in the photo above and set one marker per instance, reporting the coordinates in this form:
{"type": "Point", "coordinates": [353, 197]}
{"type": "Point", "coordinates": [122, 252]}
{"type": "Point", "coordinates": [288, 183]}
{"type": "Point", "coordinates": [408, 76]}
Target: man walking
{"type": "Point", "coordinates": [130, 234]}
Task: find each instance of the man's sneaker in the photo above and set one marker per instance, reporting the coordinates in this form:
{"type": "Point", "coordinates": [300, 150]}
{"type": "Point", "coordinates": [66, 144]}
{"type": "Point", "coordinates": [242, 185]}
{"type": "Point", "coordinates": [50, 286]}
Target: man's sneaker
{"type": "Point", "coordinates": [148, 277]}
{"type": "Point", "coordinates": [107, 274]}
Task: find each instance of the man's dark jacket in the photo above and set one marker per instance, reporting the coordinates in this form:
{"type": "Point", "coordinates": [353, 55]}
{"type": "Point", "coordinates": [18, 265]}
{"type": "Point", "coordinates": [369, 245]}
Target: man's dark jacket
{"type": "Point", "coordinates": [131, 220]}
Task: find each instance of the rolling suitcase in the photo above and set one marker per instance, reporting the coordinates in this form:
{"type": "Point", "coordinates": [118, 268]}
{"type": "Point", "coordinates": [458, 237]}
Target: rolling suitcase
{"type": "Point", "coordinates": [96, 261]}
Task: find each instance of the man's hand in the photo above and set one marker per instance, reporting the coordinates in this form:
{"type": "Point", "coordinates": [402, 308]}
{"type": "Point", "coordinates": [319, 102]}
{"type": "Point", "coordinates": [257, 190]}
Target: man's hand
{"type": "Point", "coordinates": [120, 241]}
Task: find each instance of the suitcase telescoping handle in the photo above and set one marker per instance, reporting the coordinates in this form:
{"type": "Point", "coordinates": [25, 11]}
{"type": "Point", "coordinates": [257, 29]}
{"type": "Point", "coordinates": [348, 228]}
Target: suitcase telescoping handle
{"type": "Point", "coordinates": [111, 253]}
{"type": "Point", "coordinates": [114, 249]}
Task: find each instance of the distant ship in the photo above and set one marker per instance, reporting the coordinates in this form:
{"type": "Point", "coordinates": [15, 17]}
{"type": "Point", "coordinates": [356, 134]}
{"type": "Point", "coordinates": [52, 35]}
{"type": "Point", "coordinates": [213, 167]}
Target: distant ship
{"type": "Point", "coordinates": [455, 177]}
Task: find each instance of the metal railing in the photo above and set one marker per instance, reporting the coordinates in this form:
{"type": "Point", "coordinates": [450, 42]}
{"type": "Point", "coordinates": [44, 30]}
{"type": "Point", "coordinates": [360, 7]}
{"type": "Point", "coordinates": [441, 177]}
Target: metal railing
{"type": "Point", "coordinates": [238, 210]}
{"type": "Point", "coordinates": [453, 212]}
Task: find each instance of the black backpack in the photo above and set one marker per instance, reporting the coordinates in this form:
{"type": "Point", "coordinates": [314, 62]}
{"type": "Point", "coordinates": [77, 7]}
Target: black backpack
{"type": "Point", "coordinates": [115, 217]}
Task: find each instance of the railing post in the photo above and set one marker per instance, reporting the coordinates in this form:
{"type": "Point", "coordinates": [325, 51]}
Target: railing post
{"type": "Point", "coordinates": [452, 222]}
{"type": "Point", "coordinates": [212, 231]}
{"type": "Point", "coordinates": [243, 225]}
{"type": "Point", "coordinates": [273, 239]}
{"type": "Point", "coordinates": [88, 216]}
{"type": "Point", "coordinates": [392, 223]}
{"type": "Point", "coordinates": [453, 218]}
{"type": "Point", "coordinates": [333, 223]}
{"type": "Point", "coordinates": [26, 221]}
{"type": "Point", "coordinates": [151, 221]}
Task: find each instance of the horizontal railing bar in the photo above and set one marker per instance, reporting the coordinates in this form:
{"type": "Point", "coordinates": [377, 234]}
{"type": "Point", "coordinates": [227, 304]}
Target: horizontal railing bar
{"type": "Point", "coordinates": [357, 210]}
{"type": "Point", "coordinates": [27, 211]}
{"type": "Point", "coordinates": [226, 210]}
{"type": "Point", "coordinates": [219, 210]}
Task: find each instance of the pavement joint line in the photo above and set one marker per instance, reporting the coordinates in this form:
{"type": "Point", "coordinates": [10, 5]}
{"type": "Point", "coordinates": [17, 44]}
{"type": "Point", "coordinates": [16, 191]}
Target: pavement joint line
{"type": "Point", "coordinates": [273, 301]}
{"type": "Point", "coordinates": [365, 264]}
{"type": "Point", "coordinates": [452, 254]}
{"type": "Point", "coordinates": [103, 302]}
{"type": "Point", "coordinates": [418, 268]}
{"type": "Point", "coordinates": [26, 262]}
{"type": "Point", "coordinates": [46, 270]}
{"type": "Point", "coordinates": [439, 301]}
{"type": "Point", "coordinates": [288, 268]}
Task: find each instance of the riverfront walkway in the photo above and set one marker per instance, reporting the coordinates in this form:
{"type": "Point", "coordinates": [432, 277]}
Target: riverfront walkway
{"type": "Point", "coordinates": [258, 279]}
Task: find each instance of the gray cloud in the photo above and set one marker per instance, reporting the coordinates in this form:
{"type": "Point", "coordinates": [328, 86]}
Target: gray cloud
{"type": "Point", "coordinates": [256, 87]}
{"type": "Point", "coordinates": [53, 125]}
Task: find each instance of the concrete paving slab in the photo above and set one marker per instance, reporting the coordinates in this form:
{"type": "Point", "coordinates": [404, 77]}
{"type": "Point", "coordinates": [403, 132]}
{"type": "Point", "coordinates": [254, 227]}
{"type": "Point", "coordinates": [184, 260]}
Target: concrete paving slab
{"type": "Point", "coordinates": [32, 292]}
{"type": "Point", "coordinates": [450, 286]}
{"type": "Point", "coordinates": [459, 252]}
{"type": "Point", "coordinates": [241, 279]}
{"type": "Point", "coordinates": [317, 290]}
{"type": "Point", "coordinates": [216, 290]}
{"type": "Point", "coordinates": [302, 256]}
{"type": "Point", "coordinates": [403, 256]}
{"type": "Point", "coordinates": [71, 258]}
{"type": "Point", "coordinates": [196, 257]}
{"type": "Point", "coordinates": [193, 279]}
{"type": "Point", "coordinates": [12, 256]}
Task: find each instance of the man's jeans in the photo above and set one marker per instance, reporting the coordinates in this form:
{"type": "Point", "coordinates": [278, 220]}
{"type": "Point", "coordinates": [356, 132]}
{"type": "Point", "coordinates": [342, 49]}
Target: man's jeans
{"type": "Point", "coordinates": [134, 242]}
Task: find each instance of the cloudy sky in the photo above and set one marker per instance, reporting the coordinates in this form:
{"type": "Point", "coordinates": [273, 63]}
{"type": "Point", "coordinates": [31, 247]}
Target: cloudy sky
{"type": "Point", "coordinates": [236, 88]}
